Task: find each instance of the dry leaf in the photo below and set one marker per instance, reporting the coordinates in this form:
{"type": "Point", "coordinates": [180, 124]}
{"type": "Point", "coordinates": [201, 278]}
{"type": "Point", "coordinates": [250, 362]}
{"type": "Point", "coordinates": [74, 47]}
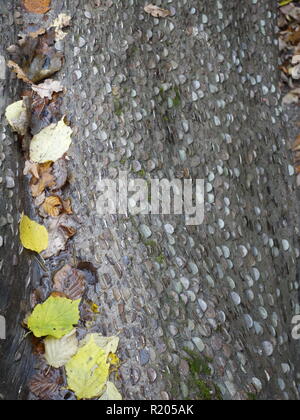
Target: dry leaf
{"type": "Point", "coordinates": [53, 206]}
{"type": "Point", "coordinates": [60, 230]}
{"type": "Point", "coordinates": [45, 180]}
{"type": "Point", "coordinates": [37, 6]}
{"type": "Point", "coordinates": [19, 72]}
{"type": "Point", "coordinates": [296, 144]}
{"type": "Point", "coordinates": [46, 89]}
{"type": "Point", "coordinates": [31, 168]}
{"type": "Point", "coordinates": [67, 205]}
{"type": "Point", "coordinates": [291, 97]}
{"type": "Point", "coordinates": [156, 11]}
{"type": "Point", "coordinates": [59, 351]}
{"type": "Point", "coordinates": [51, 143]}
{"type": "Point", "coordinates": [45, 384]}
{"type": "Point", "coordinates": [17, 117]}
{"type": "Point", "coordinates": [70, 281]}
{"type": "Point", "coordinates": [62, 21]}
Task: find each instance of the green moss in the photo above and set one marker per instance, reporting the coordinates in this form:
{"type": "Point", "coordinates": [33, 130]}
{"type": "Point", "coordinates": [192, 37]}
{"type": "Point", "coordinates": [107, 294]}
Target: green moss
{"type": "Point", "coordinates": [177, 99]}
{"type": "Point", "coordinates": [199, 382]}
{"type": "Point", "coordinates": [160, 259]}
{"type": "Point", "coordinates": [141, 173]}
{"type": "Point", "coordinates": [118, 108]}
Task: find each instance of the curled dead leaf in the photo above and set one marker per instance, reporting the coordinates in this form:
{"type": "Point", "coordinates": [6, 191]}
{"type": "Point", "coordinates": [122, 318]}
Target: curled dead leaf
{"type": "Point", "coordinates": [70, 281]}
{"type": "Point", "coordinates": [37, 6]}
{"type": "Point", "coordinates": [156, 11]}
{"type": "Point", "coordinates": [60, 230]}
{"type": "Point", "coordinates": [31, 168]}
{"type": "Point", "coordinates": [53, 206]}
{"type": "Point", "coordinates": [19, 72]}
{"type": "Point", "coordinates": [45, 180]}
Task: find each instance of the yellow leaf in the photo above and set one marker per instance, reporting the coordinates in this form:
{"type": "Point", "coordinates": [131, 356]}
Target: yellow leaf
{"type": "Point", "coordinates": [55, 317]}
{"type": "Point", "coordinates": [16, 115]}
{"type": "Point", "coordinates": [33, 236]}
{"type": "Point", "coordinates": [51, 143]}
{"type": "Point", "coordinates": [285, 2]}
{"type": "Point", "coordinates": [111, 393]}
{"type": "Point", "coordinates": [107, 344]}
{"type": "Point", "coordinates": [88, 371]}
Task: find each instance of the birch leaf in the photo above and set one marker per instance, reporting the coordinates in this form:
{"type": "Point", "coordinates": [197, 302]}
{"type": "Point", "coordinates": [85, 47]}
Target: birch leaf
{"type": "Point", "coordinates": [107, 344]}
{"type": "Point", "coordinates": [111, 393]}
{"type": "Point", "coordinates": [17, 117]}
{"type": "Point", "coordinates": [88, 371]}
{"type": "Point", "coordinates": [32, 235]}
{"type": "Point", "coordinates": [51, 143]}
{"type": "Point", "coordinates": [55, 317]}
{"type": "Point", "coordinates": [58, 351]}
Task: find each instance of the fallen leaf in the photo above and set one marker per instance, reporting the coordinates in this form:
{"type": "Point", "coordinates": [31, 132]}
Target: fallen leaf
{"type": "Point", "coordinates": [59, 351]}
{"type": "Point", "coordinates": [70, 281]}
{"type": "Point", "coordinates": [31, 168]}
{"type": "Point", "coordinates": [111, 393]}
{"type": "Point", "coordinates": [295, 72]}
{"type": "Point", "coordinates": [37, 6]}
{"type": "Point", "coordinates": [285, 2]}
{"type": "Point", "coordinates": [51, 143]}
{"type": "Point", "coordinates": [45, 180]}
{"type": "Point", "coordinates": [291, 97]}
{"type": "Point", "coordinates": [296, 144]}
{"type": "Point", "coordinates": [53, 206]}
{"type": "Point", "coordinates": [19, 72]}
{"type": "Point", "coordinates": [17, 117]}
{"type": "Point", "coordinates": [60, 230]}
{"type": "Point", "coordinates": [44, 385]}
{"type": "Point", "coordinates": [67, 205]}
{"type": "Point", "coordinates": [107, 344]}
{"type": "Point", "coordinates": [46, 89]}
{"type": "Point", "coordinates": [33, 236]}
{"type": "Point", "coordinates": [88, 371]}
{"type": "Point", "coordinates": [156, 11]}
{"type": "Point", "coordinates": [44, 112]}
{"type": "Point", "coordinates": [56, 317]}
{"type": "Point", "coordinates": [62, 21]}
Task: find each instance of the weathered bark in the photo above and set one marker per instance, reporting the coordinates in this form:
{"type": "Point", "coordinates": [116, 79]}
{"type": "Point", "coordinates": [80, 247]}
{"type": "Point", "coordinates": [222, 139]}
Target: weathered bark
{"type": "Point", "coordinates": [135, 98]}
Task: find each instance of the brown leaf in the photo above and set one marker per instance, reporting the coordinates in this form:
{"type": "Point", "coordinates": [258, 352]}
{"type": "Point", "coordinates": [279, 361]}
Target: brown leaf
{"type": "Point", "coordinates": [46, 179]}
{"type": "Point", "coordinates": [53, 206]}
{"type": "Point", "coordinates": [31, 168]}
{"type": "Point", "coordinates": [156, 11]}
{"type": "Point", "coordinates": [296, 144]}
{"type": "Point", "coordinates": [44, 385]}
{"type": "Point", "coordinates": [70, 281]}
{"type": "Point", "coordinates": [67, 205]}
{"type": "Point", "coordinates": [37, 6]}
{"type": "Point", "coordinates": [60, 230]}
{"type": "Point", "coordinates": [19, 72]}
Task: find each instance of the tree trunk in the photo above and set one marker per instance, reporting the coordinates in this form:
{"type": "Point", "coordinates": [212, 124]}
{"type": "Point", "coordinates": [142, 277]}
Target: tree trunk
{"type": "Point", "coordinates": [194, 93]}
